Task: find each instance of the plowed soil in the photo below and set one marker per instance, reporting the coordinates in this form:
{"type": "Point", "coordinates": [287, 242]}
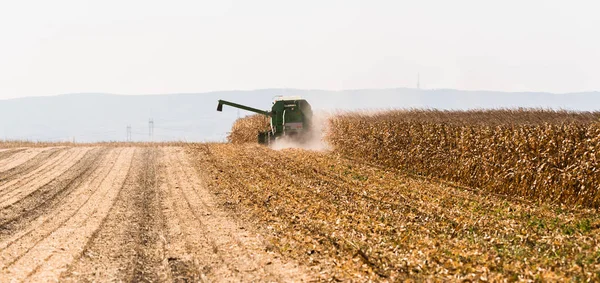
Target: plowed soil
{"type": "Point", "coordinates": [122, 214]}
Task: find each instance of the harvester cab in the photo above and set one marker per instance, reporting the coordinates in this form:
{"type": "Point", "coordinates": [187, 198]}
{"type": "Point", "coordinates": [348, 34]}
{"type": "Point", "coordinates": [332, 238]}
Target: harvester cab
{"type": "Point", "coordinates": [290, 117]}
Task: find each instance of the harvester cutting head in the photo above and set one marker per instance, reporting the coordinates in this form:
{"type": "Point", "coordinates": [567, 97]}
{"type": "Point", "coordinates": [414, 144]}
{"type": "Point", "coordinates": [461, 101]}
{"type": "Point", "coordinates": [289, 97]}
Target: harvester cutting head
{"type": "Point", "coordinates": [290, 116]}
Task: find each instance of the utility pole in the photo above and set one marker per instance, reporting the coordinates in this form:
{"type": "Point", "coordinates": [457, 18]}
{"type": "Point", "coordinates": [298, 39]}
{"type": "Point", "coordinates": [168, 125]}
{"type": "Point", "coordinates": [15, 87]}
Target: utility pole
{"type": "Point", "coordinates": [418, 80]}
{"type": "Point", "coordinates": [128, 133]}
{"type": "Point", "coordinates": [151, 129]}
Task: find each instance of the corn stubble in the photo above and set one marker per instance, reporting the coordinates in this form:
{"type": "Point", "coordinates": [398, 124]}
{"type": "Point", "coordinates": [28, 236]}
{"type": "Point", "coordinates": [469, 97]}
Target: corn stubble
{"type": "Point", "coordinates": [348, 219]}
{"type": "Point", "coordinates": [538, 155]}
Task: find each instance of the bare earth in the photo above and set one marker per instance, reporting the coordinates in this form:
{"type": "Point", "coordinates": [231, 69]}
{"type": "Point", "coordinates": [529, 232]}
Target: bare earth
{"type": "Point", "coordinates": [122, 214]}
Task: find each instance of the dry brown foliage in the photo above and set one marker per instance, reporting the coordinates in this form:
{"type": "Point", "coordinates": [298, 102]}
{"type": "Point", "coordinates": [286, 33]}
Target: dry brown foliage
{"type": "Point", "coordinates": [539, 155]}
{"type": "Point", "coordinates": [351, 220]}
{"type": "Point", "coordinates": [245, 130]}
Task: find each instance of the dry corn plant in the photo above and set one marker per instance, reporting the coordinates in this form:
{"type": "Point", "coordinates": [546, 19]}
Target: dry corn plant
{"type": "Point", "coordinates": [540, 155]}
{"type": "Point", "coordinates": [246, 129]}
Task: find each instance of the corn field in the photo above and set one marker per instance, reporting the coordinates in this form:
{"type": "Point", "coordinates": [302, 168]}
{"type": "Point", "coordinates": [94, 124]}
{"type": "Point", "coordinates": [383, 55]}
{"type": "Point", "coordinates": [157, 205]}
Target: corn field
{"type": "Point", "coordinates": [539, 155]}
{"type": "Point", "coordinates": [245, 130]}
{"type": "Point", "coordinates": [424, 195]}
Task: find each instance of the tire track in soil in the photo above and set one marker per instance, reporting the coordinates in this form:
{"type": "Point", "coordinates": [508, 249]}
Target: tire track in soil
{"type": "Point", "coordinates": [21, 187]}
{"type": "Point", "coordinates": [7, 153]}
{"type": "Point", "coordinates": [204, 242]}
{"type": "Point", "coordinates": [45, 199]}
{"type": "Point", "coordinates": [149, 263]}
{"type": "Point", "coordinates": [32, 169]}
{"type": "Point", "coordinates": [25, 162]}
{"type": "Point", "coordinates": [26, 237]}
{"type": "Point", "coordinates": [19, 158]}
{"type": "Point", "coordinates": [43, 253]}
{"type": "Point", "coordinates": [129, 245]}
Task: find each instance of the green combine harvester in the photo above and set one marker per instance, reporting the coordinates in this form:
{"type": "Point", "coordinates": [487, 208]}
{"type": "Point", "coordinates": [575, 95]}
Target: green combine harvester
{"type": "Point", "coordinates": [290, 117]}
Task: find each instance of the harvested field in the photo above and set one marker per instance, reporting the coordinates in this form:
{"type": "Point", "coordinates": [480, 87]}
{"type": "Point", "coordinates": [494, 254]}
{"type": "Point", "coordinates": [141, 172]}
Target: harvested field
{"type": "Point", "coordinates": [351, 220]}
{"type": "Point", "coordinates": [109, 213]}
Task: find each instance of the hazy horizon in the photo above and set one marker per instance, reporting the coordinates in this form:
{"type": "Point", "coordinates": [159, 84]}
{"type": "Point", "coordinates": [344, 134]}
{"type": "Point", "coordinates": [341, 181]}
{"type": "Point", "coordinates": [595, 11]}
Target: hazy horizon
{"type": "Point", "coordinates": [283, 91]}
{"type": "Point", "coordinates": [193, 116]}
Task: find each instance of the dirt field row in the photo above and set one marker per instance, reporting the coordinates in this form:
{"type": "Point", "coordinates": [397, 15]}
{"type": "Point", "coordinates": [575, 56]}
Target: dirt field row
{"type": "Point", "coordinates": [121, 214]}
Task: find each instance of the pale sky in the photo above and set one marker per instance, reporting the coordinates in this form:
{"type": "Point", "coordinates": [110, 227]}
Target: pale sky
{"type": "Point", "coordinates": [151, 47]}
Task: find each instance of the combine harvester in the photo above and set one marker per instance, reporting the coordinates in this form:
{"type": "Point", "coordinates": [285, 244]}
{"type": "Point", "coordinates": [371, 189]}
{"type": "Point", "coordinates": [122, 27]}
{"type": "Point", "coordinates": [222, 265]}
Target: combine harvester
{"type": "Point", "coordinates": [291, 118]}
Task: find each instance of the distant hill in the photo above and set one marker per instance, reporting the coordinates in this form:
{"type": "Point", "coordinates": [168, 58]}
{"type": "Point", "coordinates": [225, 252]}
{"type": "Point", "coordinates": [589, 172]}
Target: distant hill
{"type": "Point", "coordinates": [89, 117]}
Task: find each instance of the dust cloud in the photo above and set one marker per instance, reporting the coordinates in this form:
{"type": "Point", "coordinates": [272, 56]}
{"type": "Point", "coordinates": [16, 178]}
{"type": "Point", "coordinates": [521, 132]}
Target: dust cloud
{"type": "Point", "coordinates": [314, 140]}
